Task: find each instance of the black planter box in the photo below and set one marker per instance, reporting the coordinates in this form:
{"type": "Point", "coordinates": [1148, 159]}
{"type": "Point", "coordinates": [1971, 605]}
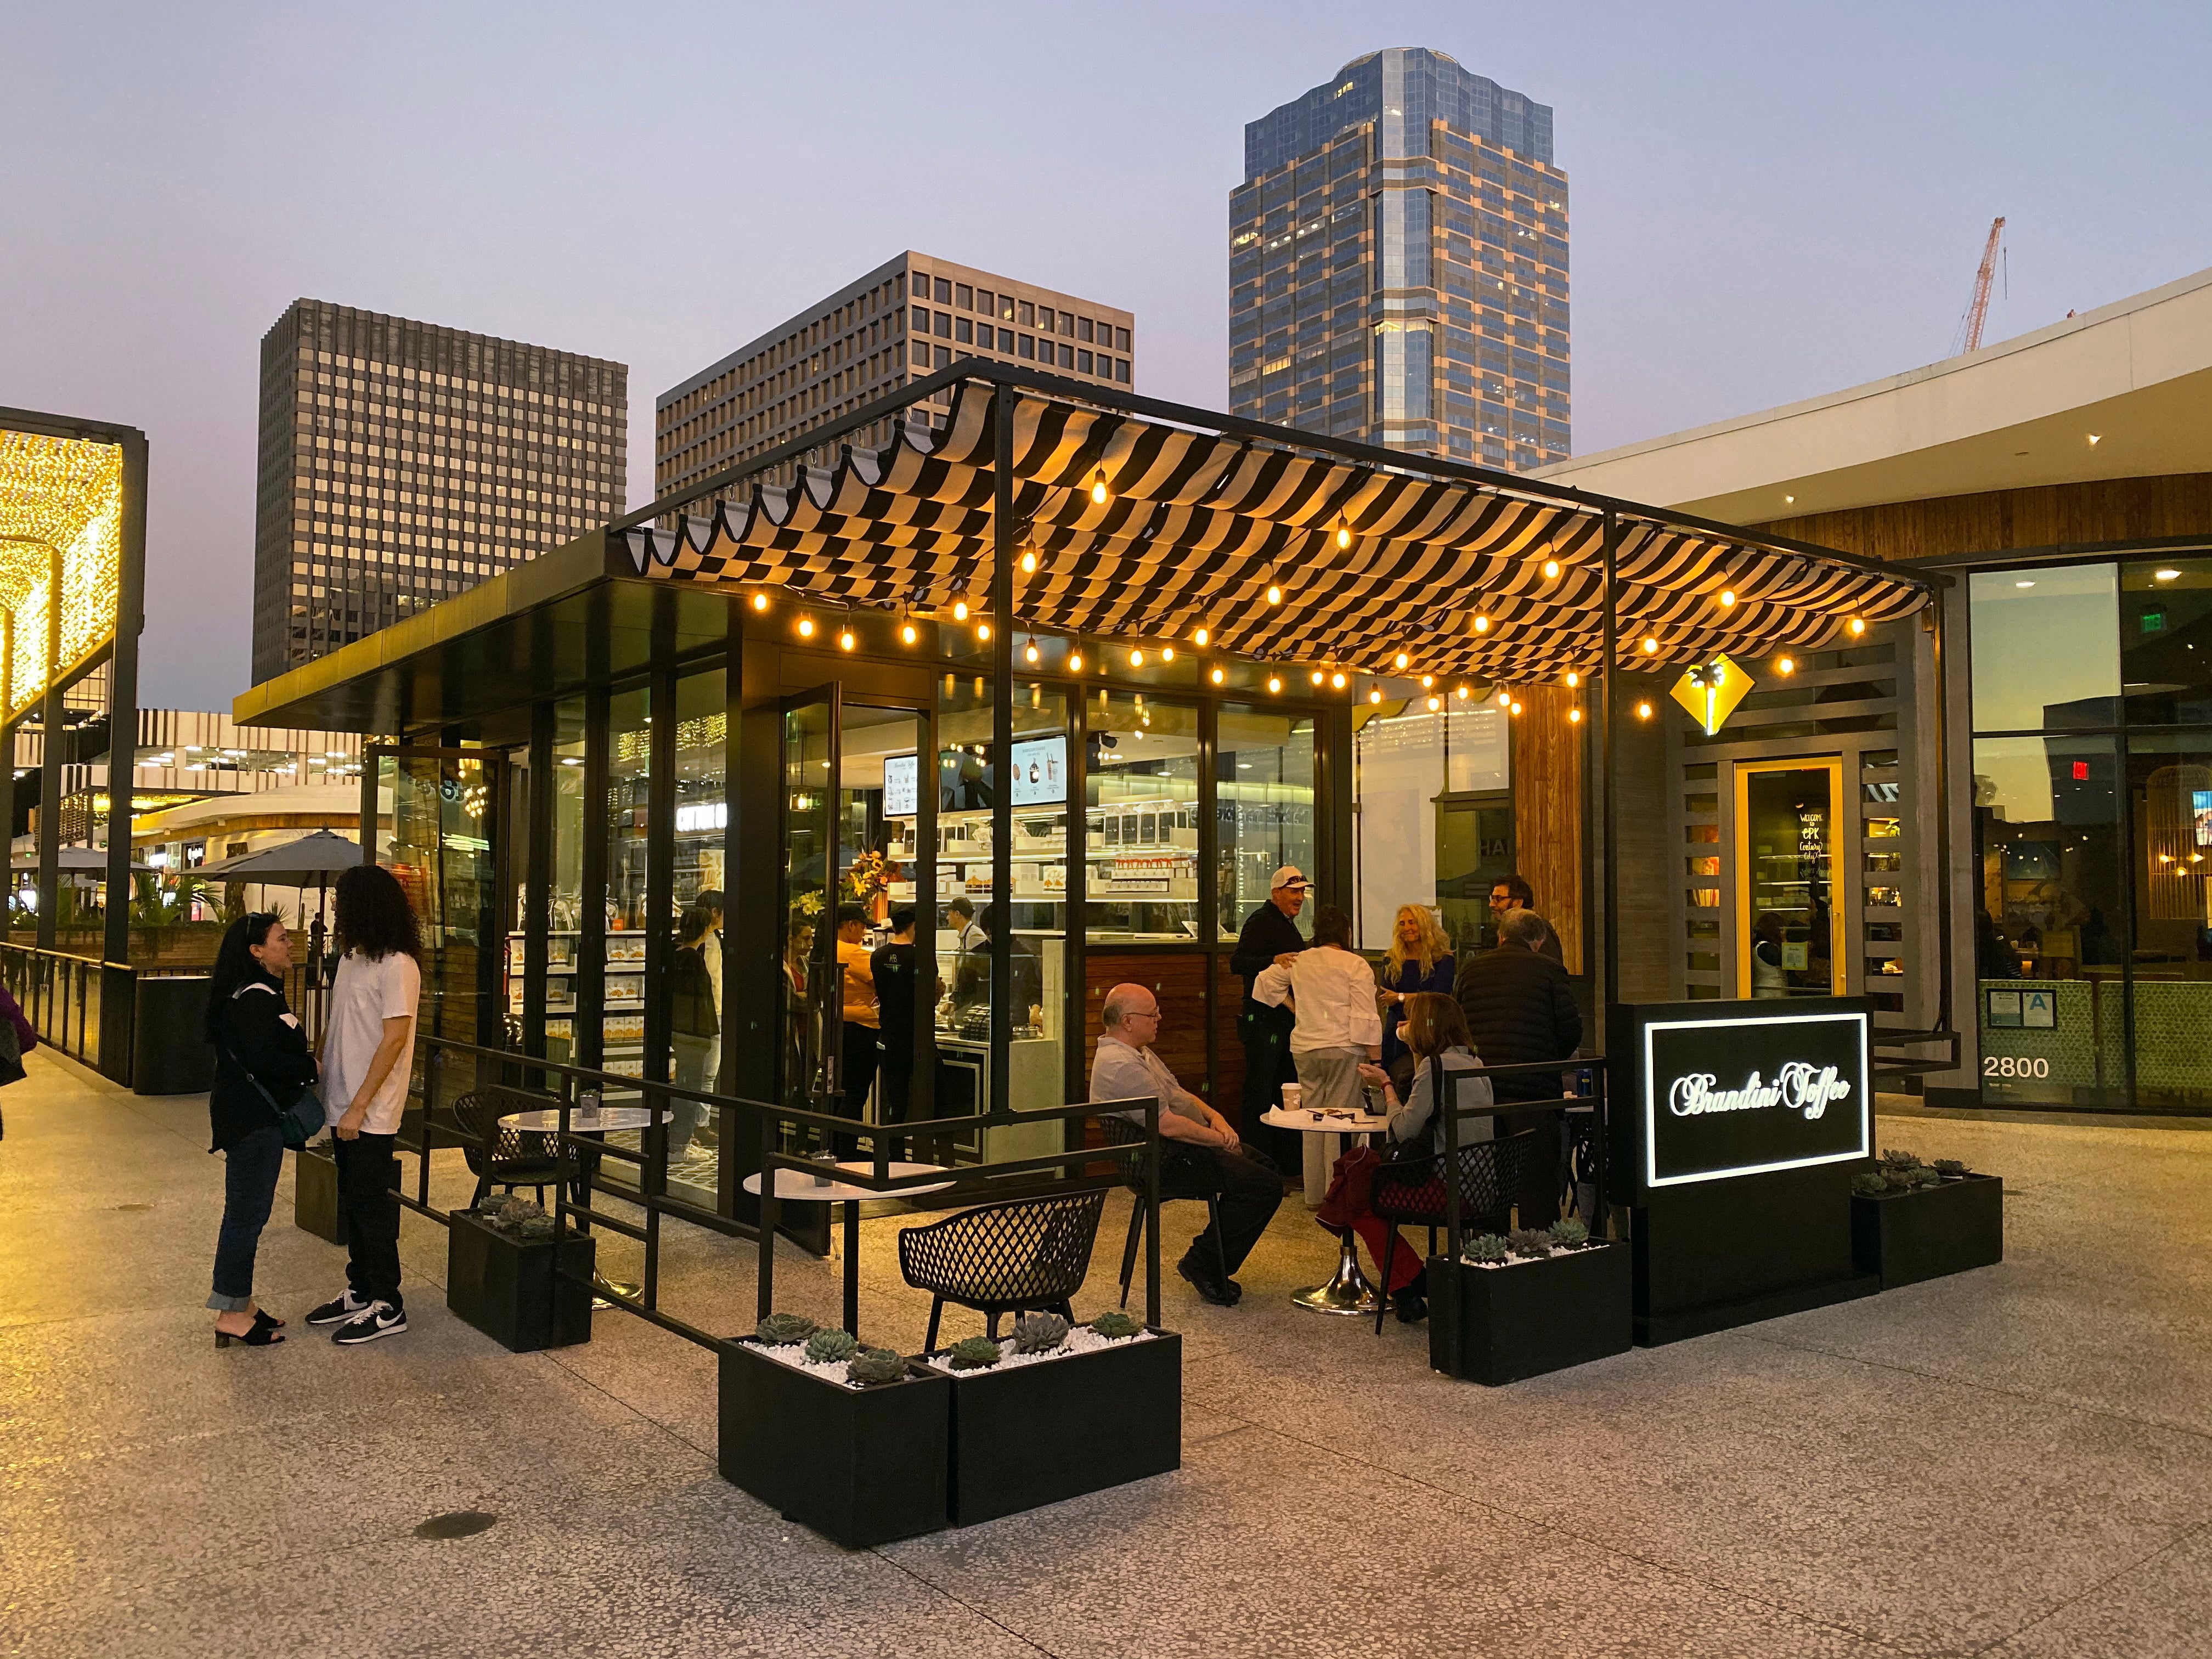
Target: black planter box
{"type": "Point", "coordinates": [1908, 1236]}
{"type": "Point", "coordinates": [510, 1291]}
{"type": "Point", "coordinates": [859, 1466]}
{"type": "Point", "coordinates": [1029, 1435]}
{"type": "Point", "coordinates": [1498, 1325]}
{"type": "Point", "coordinates": [315, 1196]}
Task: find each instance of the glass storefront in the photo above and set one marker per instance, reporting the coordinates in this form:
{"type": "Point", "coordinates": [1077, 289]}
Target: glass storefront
{"type": "Point", "coordinates": [1432, 815]}
{"type": "Point", "coordinates": [1264, 807]}
{"type": "Point", "coordinates": [2092, 824]}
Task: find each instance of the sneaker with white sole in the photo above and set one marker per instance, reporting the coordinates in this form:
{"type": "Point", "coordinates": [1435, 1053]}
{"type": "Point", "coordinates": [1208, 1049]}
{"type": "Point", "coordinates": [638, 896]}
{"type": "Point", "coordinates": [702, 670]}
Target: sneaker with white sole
{"type": "Point", "coordinates": [380, 1319]}
{"type": "Point", "coordinates": [340, 1309]}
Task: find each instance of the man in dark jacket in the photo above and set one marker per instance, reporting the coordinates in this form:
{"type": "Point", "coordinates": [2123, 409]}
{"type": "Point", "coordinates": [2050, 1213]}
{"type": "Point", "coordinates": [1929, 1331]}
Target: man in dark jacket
{"type": "Point", "coordinates": [1511, 893]}
{"type": "Point", "coordinates": [1270, 935]}
{"type": "Point", "coordinates": [1521, 1009]}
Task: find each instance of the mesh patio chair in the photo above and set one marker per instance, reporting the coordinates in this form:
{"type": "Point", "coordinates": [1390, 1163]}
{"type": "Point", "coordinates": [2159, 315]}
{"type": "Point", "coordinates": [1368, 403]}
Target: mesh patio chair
{"type": "Point", "coordinates": [1028, 1255]}
{"type": "Point", "coordinates": [501, 1156]}
{"type": "Point", "coordinates": [1490, 1171]}
{"type": "Point", "coordinates": [1121, 1132]}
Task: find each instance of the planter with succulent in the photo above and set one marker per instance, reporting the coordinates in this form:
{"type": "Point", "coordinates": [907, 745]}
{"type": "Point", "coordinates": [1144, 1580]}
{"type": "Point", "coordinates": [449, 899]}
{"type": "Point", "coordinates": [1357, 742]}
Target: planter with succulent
{"type": "Point", "coordinates": [1049, 1412]}
{"type": "Point", "coordinates": [315, 1194]}
{"type": "Point", "coordinates": [1912, 1221]}
{"type": "Point", "coordinates": [846, 1439]}
{"type": "Point", "coordinates": [506, 1275]}
{"type": "Point", "coordinates": [1529, 1303]}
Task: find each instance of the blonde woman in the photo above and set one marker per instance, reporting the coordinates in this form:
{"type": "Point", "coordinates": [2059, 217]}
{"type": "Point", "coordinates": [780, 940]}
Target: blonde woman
{"type": "Point", "coordinates": [1419, 959]}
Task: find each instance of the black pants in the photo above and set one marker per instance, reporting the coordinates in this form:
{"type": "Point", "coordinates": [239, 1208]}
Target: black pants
{"type": "Point", "coordinates": [1249, 1187]}
{"type": "Point", "coordinates": [860, 1056]}
{"type": "Point", "coordinates": [893, 1087]}
{"type": "Point", "coordinates": [1541, 1174]}
{"type": "Point", "coordinates": [1265, 1033]}
{"type": "Point", "coordinates": [368, 1175]}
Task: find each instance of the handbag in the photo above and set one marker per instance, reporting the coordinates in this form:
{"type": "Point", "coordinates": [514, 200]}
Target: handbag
{"type": "Point", "coordinates": [300, 1123]}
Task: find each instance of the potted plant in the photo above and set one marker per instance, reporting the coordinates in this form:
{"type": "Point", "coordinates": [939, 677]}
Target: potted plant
{"type": "Point", "coordinates": [1912, 1221]}
{"type": "Point", "coordinates": [315, 1196]}
{"type": "Point", "coordinates": [508, 1275]}
{"type": "Point", "coordinates": [1050, 1413]}
{"type": "Point", "coordinates": [1529, 1303]}
{"type": "Point", "coordinates": [849, 1441]}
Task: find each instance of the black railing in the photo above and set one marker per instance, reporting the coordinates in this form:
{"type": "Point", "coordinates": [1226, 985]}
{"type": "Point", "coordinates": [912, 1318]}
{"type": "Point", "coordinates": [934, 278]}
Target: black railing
{"type": "Point", "coordinates": [80, 1006]}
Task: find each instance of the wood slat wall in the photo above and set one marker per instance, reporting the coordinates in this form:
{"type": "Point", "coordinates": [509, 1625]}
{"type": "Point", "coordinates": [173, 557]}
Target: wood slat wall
{"type": "Point", "coordinates": [1178, 979]}
{"type": "Point", "coordinates": [1548, 811]}
{"type": "Point", "coordinates": [2119, 509]}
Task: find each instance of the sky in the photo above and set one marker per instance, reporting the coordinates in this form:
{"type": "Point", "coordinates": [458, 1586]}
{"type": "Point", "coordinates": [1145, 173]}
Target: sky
{"type": "Point", "coordinates": [1770, 200]}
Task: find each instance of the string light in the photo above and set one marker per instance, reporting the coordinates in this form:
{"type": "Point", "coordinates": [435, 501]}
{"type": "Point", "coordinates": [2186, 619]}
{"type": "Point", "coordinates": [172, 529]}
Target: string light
{"type": "Point", "coordinates": [1343, 534]}
{"type": "Point", "coordinates": [1274, 594]}
{"type": "Point", "coordinates": [1650, 646]}
{"type": "Point", "coordinates": [1167, 653]}
{"type": "Point", "coordinates": [1482, 623]}
{"type": "Point", "coordinates": [1075, 662]}
{"type": "Point", "coordinates": [760, 601]}
{"type": "Point", "coordinates": [1427, 680]}
{"type": "Point", "coordinates": [846, 640]}
{"type": "Point", "coordinates": [1574, 717]}
{"type": "Point", "coordinates": [1028, 561]}
{"type": "Point", "coordinates": [1573, 679]}
{"type": "Point", "coordinates": [1643, 711]}
{"type": "Point", "coordinates": [1857, 625]}
{"type": "Point", "coordinates": [1435, 704]}
{"type": "Point", "coordinates": [1136, 658]}
{"type": "Point", "coordinates": [1785, 665]}
{"type": "Point", "coordinates": [982, 631]}
{"type": "Point", "coordinates": [1274, 682]}
{"type": "Point", "coordinates": [909, 634]}
{"type": "Point", "coordinates": [1336, 681]}
{"type": "Point", "coordinates": [1098, 486]}
{"type": "Point", "coordinates": [1400, 660]}
{"type": "Point", "coordinates": [1030, 652]}
{"type": "Point", "coordinates": [1516, 708]}
{"type": "Point", "coordinates": [960, 610]}
{"type": "Point", "coordinates": [1316, 677]}
{"type": "Point", "coordinates": [1505, 698]}
{"type": "Point", "coordinates": [1464, 692]}
{"type": "Point", "coordinates": [1218, 675]}
{"type": "Point", "coordinates": [1374, 694]}
{"type": "Point", "coordinates": [1551, 567]}
{"type": "Point", "coordinates": [806, 627]}
{"type": "Point", "coordinates": [1728, 598]}
{"type": "Point", "coordinates": [1201, 637]}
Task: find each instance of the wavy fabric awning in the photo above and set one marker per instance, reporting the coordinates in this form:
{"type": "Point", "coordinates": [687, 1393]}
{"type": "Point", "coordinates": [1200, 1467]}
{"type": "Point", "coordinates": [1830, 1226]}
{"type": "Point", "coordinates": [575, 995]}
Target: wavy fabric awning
{"type": "Point", "coordinates": [1198, 525]}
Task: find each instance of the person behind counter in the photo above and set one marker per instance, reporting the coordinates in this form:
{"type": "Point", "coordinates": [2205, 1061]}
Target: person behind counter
{"type": "Point", "coordinates": [971, 975]}
{"type": "Point", "coordinates": [1203, 1156]}
{"type": "Point", "coordinates": [1419, 959]}
{"type": "Point", "coordinates": [861, 1023]}
{"type": "Point", "coordinates": [896, 969]}
{"type": "Point", "coordinates": [1337, 1027]}
{"type": "Point", "coordinates": [1270, 938]}
{"type": "Point", "coordinates": [960, 915]}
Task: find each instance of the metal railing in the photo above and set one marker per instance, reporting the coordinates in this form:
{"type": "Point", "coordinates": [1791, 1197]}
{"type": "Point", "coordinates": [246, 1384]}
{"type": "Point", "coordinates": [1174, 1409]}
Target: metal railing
{"type": "Point", "coordinates": [80, 1006]}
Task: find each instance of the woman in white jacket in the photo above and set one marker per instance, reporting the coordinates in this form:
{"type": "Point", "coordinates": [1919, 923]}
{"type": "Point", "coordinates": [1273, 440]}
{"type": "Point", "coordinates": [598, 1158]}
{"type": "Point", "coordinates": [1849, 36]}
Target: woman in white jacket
{"type": "Point", "coordinates": [1332, 990]}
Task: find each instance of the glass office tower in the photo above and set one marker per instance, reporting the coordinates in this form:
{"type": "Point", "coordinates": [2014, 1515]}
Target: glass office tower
{"type": "Point", "coordinates": [1398, 265]}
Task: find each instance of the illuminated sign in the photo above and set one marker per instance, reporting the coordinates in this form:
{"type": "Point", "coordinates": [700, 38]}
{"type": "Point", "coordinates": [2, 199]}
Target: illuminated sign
{"type": "Point", "coordinates": [1040, 771]}
{"type": "Point", "coordinates": [1712, 690]}
{"type": "Point", "coordinates": [61, 558]}
{"type": "Point", "coordinates": [1726, 1096]}
{"type": "Point", "coordinates": [902, 785]}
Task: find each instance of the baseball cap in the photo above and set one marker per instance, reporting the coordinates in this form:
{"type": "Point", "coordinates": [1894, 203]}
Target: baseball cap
{"type": "Point", "coordinates": [1290, 876]}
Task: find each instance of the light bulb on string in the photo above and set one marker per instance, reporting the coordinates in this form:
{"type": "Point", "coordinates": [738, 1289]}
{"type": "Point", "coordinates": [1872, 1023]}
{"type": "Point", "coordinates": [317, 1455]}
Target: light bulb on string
{"type": "Point", "coordinates": [1336, 681]}
{"type": "Point", "coordinates": [1374, 693]}
{"type": "Point", "coordinates": [1573, 679]}
{"type": "Point", "coordinates": [1482, 623]}
{"type": "Point", "coordinates": [1728, 598]}
{"type": "Point", "coordinates": [1574, 717]}
{"type": "Point", "coordinates": [1343, 534]}
{"type": "Point", "coordinates": [1274, 682]}
{"type": "Point", "coordinates": [1098, 486]}
{"type": "Point", "coordinates": [1427, 680]}
{"type": "Point", "coordinates": [1650, 646]}
{"type": "Point", "coordinates": [909, 633]}
{"type": "Point", "coordinates": [982, 631]}
{"type": "Point", "coordinates": [1136, 658]}
{"type": "Point", "coordinates": [1464, 692]}
{"type": "Point", "coordinates": [845, 638]}
{"type": "Point", "coordinates": [1435, 704]}
{"type": "Point", "coordinates": [1786, 664]}
{"type": "Point", "coordinates": [1030, 651]}
{"type": "Point", "coordinates": [1516, 708]}
{"type": "Point", "coordinates": [1167, 653]}
{"type": "Point", "coordinates": [806, 627]}
{"type": "Point", "coordinates": [1401, 660]}
{"type": "Point", "coordinates": [1028, 561]}
{"type": "Point", "coordinates": [1274, 594]}
{"type": "Point", "coordinates": [1218, 675]}
{"type": "Point", "coordinates": [1505, 698]}
{"type": "Point", "coordinates": [1550, 568]}
{"type": "Point", "coordinates": [1316, 677]}
{"type": "Point", "coordinates": [960, 610]}
{"type": "Point", "coordinates": [1857, 625]}
{"type": "Point", "coordinates": [1643, 711]}
{"type": "Point", "coordinates": [760, 601]}
{"type": "Point", "coordinates": [1075, 662]}
{"type": "Point", "coordinates": [1201, 637]}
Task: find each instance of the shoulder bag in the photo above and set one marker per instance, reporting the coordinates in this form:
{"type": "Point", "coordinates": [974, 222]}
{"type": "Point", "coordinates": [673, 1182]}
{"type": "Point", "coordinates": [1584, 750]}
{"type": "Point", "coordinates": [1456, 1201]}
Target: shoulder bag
{"type": "Point", "coordinates": [300, 1121]}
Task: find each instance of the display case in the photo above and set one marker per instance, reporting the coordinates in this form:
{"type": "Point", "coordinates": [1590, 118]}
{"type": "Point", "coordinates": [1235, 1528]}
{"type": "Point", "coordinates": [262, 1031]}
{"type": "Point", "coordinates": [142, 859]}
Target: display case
{"type": "Point", "coordinates": [622, 1021]}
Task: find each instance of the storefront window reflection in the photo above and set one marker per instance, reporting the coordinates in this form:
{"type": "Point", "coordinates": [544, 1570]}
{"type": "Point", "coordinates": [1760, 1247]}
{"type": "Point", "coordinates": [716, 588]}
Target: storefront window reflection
{"type": "Point", "coordinates": [624, 919]}
{"type": "Point", "coordinates": [2166, 641]}
{"type": "Point", "coordinates": [2045, 651]}
{"type": "Point", "coordinates": [2170, 806]}
{"type": "Point", "coordinates": [1141, 794]}
{"type": "Point", "coordinates": [1264, 766]}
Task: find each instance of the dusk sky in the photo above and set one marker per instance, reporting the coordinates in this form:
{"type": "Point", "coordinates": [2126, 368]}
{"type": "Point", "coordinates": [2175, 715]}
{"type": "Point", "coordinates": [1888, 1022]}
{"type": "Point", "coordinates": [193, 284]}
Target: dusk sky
{"type": "Point", "coordinates": [1770, 200]}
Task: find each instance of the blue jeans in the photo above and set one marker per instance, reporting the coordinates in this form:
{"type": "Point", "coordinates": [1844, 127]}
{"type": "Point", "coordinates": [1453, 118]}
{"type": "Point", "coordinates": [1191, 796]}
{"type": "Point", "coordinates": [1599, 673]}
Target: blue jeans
{"type": "Point", "coordinates": [249, 1187]}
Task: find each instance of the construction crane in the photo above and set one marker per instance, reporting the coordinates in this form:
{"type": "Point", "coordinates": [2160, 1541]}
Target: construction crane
{"type": "Point", "coordinates": [1969, 337]}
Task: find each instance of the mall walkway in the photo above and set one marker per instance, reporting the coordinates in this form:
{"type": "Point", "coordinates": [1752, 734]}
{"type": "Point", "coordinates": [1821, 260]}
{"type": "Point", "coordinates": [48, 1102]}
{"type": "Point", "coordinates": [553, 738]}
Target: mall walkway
{"type": "Point", "coordinates": [2018, 1463]}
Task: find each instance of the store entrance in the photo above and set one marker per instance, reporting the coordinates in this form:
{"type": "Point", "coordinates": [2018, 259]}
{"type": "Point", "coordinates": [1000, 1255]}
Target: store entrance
{"type": "Point", "coordinates": [1787, 941]}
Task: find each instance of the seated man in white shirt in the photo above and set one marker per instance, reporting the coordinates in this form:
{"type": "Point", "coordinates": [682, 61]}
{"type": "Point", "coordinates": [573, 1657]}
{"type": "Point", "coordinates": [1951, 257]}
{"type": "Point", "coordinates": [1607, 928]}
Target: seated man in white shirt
{"type": "Point", "coordinates": [1203, 1155]}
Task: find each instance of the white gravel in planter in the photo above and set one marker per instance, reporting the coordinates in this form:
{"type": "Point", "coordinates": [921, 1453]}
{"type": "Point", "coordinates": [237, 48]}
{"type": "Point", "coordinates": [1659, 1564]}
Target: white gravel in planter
{"type": "Point", "coordinates": [1081, 1340]}
{"type": "Point", "coordinates": [1530, 1260]}
{"type": "Point", "coordinates": [793, 1354]}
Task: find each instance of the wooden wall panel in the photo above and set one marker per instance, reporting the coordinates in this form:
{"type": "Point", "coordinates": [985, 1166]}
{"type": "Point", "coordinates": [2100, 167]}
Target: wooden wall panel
{"type": "Point", "coordinates": [1178, 979]}
{"type": "Point", "coordinates": [1548, 811]}
{"type": "Point", "coordinates": [2109, 510]}
{"type": "Point", "coordinates": [1650, 860]}
{"type": "Point", "coordinates": [1229, 1049]}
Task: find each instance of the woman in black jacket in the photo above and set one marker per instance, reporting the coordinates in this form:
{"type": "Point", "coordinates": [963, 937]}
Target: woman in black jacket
{"type": "Point", "coordinates": [258, 1040]}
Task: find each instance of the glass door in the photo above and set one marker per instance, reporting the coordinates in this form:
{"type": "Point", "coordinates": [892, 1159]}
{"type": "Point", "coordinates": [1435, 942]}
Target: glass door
{"type": "Point", "coordinates": [808, 1054]}
{"type": "Point", "coordinates": [447, 851]}
{"type": "Point", "coordinates": [1787, 944]}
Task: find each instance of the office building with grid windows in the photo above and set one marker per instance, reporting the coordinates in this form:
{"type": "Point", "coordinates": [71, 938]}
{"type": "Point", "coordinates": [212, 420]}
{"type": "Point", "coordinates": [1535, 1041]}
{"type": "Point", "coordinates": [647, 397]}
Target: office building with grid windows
{"type": "Point", "coordinates": [401, 462]}
{"type": "Point", "coordinates": [1398, 265]}
{"type": "Point", "coordinates": [906, 318]}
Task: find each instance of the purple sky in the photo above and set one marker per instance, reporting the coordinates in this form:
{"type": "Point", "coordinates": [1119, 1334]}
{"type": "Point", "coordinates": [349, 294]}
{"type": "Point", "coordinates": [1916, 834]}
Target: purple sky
{"type": "Point", "coordinates": [1771, 200]}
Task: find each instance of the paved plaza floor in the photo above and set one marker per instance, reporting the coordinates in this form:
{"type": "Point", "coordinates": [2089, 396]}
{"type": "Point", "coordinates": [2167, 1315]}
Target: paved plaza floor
{"type": "Point", "coordinates": [2013, 1462]}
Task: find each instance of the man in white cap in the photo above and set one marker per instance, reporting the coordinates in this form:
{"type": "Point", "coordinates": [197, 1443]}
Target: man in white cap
{"type": "Point", "coordinates": [1270, 938]}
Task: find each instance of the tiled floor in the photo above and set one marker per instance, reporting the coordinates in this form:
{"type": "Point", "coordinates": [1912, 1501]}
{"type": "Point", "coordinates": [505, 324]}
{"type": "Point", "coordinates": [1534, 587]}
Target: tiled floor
{"type": "Point", "coordinates": [2017, 1462]}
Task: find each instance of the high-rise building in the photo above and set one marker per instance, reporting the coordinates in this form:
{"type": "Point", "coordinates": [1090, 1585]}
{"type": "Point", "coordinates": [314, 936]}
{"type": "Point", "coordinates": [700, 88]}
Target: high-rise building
{"type": "Point", "coordinates": [1398, 264]}
{"type": "Point", "coordinates": [402, 462]}
{"type": "Point", "coordinates": [905, 319]}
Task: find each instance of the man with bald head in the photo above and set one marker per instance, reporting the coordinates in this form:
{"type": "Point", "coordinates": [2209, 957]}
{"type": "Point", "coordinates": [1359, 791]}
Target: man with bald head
{"type": "Point", "coordinates": [1203, 1156]}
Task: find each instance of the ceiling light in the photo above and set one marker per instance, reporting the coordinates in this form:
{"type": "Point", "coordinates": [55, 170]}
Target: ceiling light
{"type": "Point", "coordinates": [1316, 677]}
{"type": "Point", "coordinates": [1482, 623]}
{"type": "Point", "coordinates": [1136, 659]}
{"type": "Point", "coordinates": [1336, 681]}
{"type": "Point", "coordinates": [1464, 692]}
{"type": "Point", "coordinates": [1075, 662]}
{"type": "Point", "coordinates": [1098, 486]}
{"type": "Point", "coordinates": [1167, 653]}
{"type": "Point", "coordinates": [1857, 625]}
{"type": "Point", "coordinates": [1789, 501]}
{"type": "Point", "coordinates": [1200, 638]}
{"type": "Point", "coordinates": [2023, 584]}
{"type": "Point", "coordinates": [806, 627]}
{"type": "Point", "coordinates": [960, 610]}
{"type": "Point", "coordinates": [909, 634]}
{"type": "Point", "coordinates": [1343, 533]}
{"type": "Point", "coordinates": [2166, 575]}
{"type": "Point", "coordinates": [982, 631]}
{"type": "Point", "coordinates": [1573, 679]}
{"type": "Point", "coordinates": [1400, 660]}
{"type": "Point", "coordinates": [1650, 646]}
{"type": "Point", "coordinates": [1030, 652]}
{"type": "Point", "coordinates": [2096, 438]}
{"type": "Point", "coordinates": [1551, 567]}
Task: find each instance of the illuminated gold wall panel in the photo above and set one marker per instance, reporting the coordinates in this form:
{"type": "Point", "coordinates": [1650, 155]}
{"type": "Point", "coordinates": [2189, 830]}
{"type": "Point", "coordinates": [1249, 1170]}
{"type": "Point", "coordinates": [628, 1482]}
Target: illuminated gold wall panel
{"type": "Point", "coordinates": [57, 496]}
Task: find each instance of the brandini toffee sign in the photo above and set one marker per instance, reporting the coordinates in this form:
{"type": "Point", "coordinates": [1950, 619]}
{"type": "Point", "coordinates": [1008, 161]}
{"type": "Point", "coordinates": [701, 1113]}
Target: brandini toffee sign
{"type": "Point", "coordinates": [1731, 1097]}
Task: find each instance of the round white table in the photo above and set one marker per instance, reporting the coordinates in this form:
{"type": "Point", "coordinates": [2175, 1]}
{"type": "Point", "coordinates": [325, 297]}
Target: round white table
{"type": "Point", "coordinates": [1349, 1292]}
{"type": "Point", "coordinates": [803, 1186]}
{"type": "Point", "coordinates": [595, 1123]}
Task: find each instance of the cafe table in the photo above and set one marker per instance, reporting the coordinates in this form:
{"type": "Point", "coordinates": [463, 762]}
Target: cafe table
{"type": "Point", "coordinates": [808, 1187]}
{"type": "Point", "coordinates": [593, 1124]}
{"type": "Point", "coordinates": [1349, 1292]}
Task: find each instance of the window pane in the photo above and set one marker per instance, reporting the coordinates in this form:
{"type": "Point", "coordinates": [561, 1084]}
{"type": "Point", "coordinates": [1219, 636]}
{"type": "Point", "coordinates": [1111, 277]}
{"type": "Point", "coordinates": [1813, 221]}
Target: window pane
{"type": "Point", "coordinates": [1141, 790]}
{"type": "Point", "coordinates": [628, 782]}
{"type": "Point", "coordinates": [694, 982]}
{"type": "Point", "coordinates": [2170, 798]}
{"type": "Point", "coordinates": [564, 897]}
{"type": "Point", "coordinates": [2166, 641]}
{"type": "Point", "coordinates": [2053, 918]}
{"type": "Point", "coordinates": [2046, 648]}
{"type": "Point", "coordinates": [1264, 804]}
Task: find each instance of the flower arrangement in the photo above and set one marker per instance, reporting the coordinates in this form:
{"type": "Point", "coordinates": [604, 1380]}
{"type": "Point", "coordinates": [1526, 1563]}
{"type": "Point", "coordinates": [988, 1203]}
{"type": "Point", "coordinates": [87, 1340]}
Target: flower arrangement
{"type": "Point", "coordinates": [865, 879]}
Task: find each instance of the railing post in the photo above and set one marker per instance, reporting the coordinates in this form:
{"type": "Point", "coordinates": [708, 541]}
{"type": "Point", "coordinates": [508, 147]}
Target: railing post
{"type": "Point", "coordinates": [1152, 1213]}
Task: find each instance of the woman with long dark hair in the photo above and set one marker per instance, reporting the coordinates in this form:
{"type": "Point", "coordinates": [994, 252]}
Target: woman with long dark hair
{"type": "Point", "coordinates": [367, 1041]}
{"type": "Point", "coordinates": [261, 1064]}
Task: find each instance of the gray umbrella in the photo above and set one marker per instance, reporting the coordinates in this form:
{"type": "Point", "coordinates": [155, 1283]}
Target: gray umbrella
{"type": "Point", "coordinates": [313, 860]}
{"type": "Point", "coordinates": [75, 861]}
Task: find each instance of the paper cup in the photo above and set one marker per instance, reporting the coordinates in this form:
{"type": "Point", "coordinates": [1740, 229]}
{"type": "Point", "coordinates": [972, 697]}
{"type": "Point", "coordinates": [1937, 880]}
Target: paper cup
{"type": "Point", "coordinates": [1289, 1097]}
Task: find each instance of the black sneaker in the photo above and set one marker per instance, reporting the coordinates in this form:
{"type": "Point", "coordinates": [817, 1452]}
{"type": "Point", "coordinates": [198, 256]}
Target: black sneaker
{"type": "Point", "coordinates": [381, 1319]}
{"type": "Point", "coordinates": [340, 1309]}
{"type": "Point", "coordinates": [1211, 1289]}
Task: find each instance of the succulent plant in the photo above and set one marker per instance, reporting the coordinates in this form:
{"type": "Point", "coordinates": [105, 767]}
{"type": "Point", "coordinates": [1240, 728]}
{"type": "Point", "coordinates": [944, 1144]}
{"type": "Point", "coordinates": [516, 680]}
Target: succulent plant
{"type": "Point", "coordinates": [974, 1354]}
{"type": "Point", "coordinates": [1950, 1168]}
{"type": "Point", "coordinates": [780, 1330]}
{"type": "Point", "coordinates": [873, 1365]}
{"type": "Point", "coordinates": [1115, 1325]}
{"type": "Point", "coordinates": [1486, 1247]}
{"type": "Point", "coordinates": [1893, 1159]}
{"type": "Point", "coordinates": [535, 1228]}
{"type": "Point", "coordinates": [828, 1347]}
{"type": "Point", "coordinates": [1568, 1234]}
{"type": "Point", "coordinates": [1870, 1183]}
{"type": "Point", "coordinates": [1039, 1333]}
{"type": "Point", "coordinates": [1528, 1242]}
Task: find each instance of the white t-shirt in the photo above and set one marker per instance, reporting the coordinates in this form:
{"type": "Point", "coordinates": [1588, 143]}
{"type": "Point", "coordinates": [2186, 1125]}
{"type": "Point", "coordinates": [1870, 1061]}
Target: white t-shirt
{"type": "Point", "coordinates": [365, 994]}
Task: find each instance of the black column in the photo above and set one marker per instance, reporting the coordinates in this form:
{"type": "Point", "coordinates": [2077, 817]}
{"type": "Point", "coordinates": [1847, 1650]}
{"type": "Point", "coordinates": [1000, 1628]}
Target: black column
{"type": "Point", "coordinates": [1002, 740]}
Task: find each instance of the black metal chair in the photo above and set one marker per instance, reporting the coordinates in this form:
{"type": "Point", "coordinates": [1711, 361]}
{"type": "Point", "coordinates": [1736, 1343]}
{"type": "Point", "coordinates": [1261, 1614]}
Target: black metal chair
{"type": "Point", "coordinates": [506, 1158]}
{"type": "Point", "coordinates": [1028, 1254]}
{"type": "Point", "coordinates": [1412, 1192]}
{"type": "Point", "coordinates": [1121, 1132]}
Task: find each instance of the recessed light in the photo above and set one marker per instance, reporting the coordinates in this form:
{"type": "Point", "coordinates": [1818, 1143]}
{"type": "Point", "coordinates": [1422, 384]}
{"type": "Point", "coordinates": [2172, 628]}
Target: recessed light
{"type": "Point", "coordinates": [2096, 438]}
{"type": "Point", "coordinates": [1788, 500]}
{"type": "Point", "coordinates": [2023, 584]}
{"type": "Point", "coordinates": [2166, 575]}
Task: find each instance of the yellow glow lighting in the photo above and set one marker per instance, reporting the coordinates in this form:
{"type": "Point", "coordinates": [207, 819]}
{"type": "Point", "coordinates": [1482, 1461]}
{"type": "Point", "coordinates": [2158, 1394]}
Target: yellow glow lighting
{"type": "Point", "coordinates": [1427, 680]}
{"type": "Point", "coordinates": [1167, 653]}
{"type": "Point", "coordinates": [1136, 659]}
{"type": "Point", "coordinates": [1728, 598]}
{"type": "Point", "coordinates": [1075, 662]}
{"type": "Point", "coordinates": [1220, 676]}
{"type": "Point", "coordinates": [1343, 534]}
{"type": "Point", "coordinates": [1464, 692]}
{"type": "Point", "coordinates": [1098, 486]}
{"type": "Point", "coordinates": [1274, 594]}
{"type": "Point", "coordinates": [1316, 677]}
{"type": "Point", "coordinates": [1573, 679]}
{"type": "Point", "coordinates": [1643, 711]}
{"type": "Point", "coordinates": [66, 495]}
{"type": "Point", "coordinates": [1574, 717]}
{"type": "Point", "coordinates": [1481, 624]}
{"type": "Point", "coordinates": [1504, 698]}
{"type": "Point", "coordinates": [1650, 646]}
{"type": "Point", "coordinates": [1028, 561]}
{"type": "Point", "coordinates": [982, 631]}
{"type": "Point", "coordinates": [1551, 567]}
{"type": "Point", "coordinates": [760, 601]}
{"type": "Point", "coordinates": [1785, 665]}
{"type": "Point", "coordinates": [1200, 638]}
{"type": "Point", "coordinates": [1374, 693]}
{"type": "Point", "coordinates": [1857, 625]}
{"type": "Point", "coordinates": [909, 634]}
{"type": "Point", "coordinates": [960, 610]}
{"type": "Point", "coordinates": [845, 638]}
{"type": "Point", "coordinates": [1030, 652]}
{"type": "Point", "coordinates": [1435, 704]}
{"type": "Point", "coordinates": [1336, 681]}
{"type": "Point", "coordinates": [1516, 708]}
{"type": "Point", "coordinates": [806, 627]}
{"type": "Point", "coordinates": [1274, 682]}
{"type": "Point", "coordinates": [1400, 660]}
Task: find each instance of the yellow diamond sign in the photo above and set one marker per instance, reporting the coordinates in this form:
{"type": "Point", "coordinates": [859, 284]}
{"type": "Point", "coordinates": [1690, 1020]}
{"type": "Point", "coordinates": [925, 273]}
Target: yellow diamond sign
{"type": "Point", "coordinates": [1711, 691]}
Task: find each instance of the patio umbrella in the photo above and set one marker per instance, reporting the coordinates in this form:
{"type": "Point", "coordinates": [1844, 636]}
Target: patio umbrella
{"type": "Point", "coordinates": [313, 860]}
{"type": "Point", "coordinates": [75, 861]}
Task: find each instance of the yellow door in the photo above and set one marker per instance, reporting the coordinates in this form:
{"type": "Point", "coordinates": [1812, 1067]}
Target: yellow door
{"type": "Point", "coordinates": [1790, 941]}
